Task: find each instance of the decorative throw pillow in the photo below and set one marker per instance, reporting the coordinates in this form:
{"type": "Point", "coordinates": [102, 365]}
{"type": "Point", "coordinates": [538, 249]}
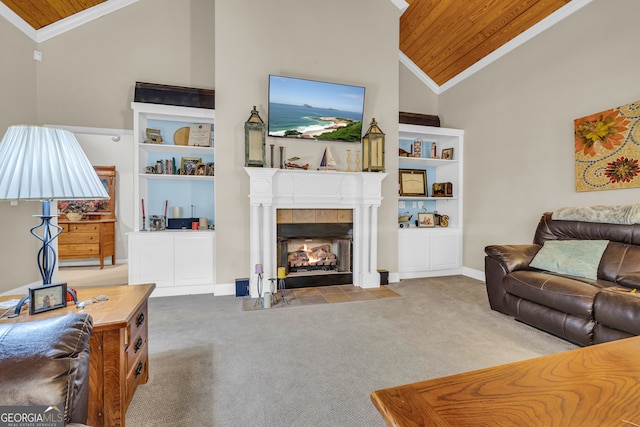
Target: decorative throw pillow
{"type": "Point", "coordinates": [574, 257]}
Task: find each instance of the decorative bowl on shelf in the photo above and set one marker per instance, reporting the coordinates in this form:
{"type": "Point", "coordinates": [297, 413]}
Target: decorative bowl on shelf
{"type": "Point", "coordinates": [74, 216]}
{"type": "Point", "coordinates": [75, 209]}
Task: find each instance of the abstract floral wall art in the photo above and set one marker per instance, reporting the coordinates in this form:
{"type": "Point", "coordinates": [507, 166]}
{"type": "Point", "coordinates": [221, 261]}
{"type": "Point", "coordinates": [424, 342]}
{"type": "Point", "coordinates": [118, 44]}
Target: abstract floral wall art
{"type": "Point", "coordinates": [607, 149]}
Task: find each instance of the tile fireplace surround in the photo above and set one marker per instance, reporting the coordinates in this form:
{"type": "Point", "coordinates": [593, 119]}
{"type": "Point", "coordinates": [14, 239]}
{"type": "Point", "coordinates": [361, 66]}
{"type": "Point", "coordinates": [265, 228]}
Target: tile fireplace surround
{"type": "Point", "coordinates": [272, 189]}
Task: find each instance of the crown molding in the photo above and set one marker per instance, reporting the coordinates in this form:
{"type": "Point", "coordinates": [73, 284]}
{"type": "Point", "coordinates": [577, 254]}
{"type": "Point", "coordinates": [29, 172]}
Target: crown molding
{"type": "Point", "coordinates": [18, 22]}
{"type": "Point", "coordinates": [404, 59]}
{"type": "Point", "coordinates": [64, 25]}
{"type": "Point", "coordinates": [401, 5]}
{"type": "Point", "coordinates": [522, 38]}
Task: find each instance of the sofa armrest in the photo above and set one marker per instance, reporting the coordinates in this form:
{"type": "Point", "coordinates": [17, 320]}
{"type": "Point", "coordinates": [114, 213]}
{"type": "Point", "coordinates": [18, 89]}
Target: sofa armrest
{"type": "Point", "coordinates": [46, 363]}
{"type": "Point", "coordinates": [513, 257]}
{"type": "Point", "coordinates": [629, 280]}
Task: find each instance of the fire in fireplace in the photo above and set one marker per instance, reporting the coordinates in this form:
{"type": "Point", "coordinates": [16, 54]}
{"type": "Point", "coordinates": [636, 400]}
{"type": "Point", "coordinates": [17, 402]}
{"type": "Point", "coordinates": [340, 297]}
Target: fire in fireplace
{"type": "Point", "coordinates": [307, 255]}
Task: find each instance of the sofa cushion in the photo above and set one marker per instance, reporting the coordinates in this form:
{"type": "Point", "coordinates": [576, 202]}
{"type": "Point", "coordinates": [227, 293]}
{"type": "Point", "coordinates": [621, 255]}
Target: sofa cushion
{"type": "Point", "coordinates": [618, 309]}
{"type": "Point", "coordinates": [564, 294]}
{"type": "Point", "coordinates": [619, 259]}
{"type": "Point", "coordinates": [574, 257]}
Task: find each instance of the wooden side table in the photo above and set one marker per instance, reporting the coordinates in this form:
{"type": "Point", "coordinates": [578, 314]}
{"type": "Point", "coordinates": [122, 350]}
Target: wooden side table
{"type": "Point", "coordinates": [119, 354]}
{"type": "Point", "coordinates": [595, 385]}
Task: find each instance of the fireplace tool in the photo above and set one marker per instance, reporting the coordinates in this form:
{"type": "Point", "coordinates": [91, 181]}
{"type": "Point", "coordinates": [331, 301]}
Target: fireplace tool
{"type": "Point", "coordinates": [272, 287]}
{"type": "Point", "coordinates": [260, 300]}
{"type": "Point", "coordinates": [281, 285]}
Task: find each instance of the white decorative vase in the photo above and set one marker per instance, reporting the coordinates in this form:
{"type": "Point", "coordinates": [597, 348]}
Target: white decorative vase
{"type": "Point", "coordinates": [74, 216]}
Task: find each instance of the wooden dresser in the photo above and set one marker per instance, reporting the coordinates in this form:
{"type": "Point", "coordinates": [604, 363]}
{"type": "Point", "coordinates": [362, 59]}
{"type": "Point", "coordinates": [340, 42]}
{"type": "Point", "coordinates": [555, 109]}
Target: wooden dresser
{"type": "Point", "coordinates": [88, 239]}
{"type": "Point", "coordinates": [95, 235]}
{"type": "Point", "coordinates": [119, 355]}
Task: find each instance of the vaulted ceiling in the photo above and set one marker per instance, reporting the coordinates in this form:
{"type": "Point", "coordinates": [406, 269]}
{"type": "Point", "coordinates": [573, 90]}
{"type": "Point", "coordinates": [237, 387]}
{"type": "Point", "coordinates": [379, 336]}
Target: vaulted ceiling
{"type": "Point", "coordinates": [439, 39]}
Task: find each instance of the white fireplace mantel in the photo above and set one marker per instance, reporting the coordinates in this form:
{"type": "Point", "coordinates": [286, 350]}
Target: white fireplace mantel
{"type": "Point", "coordinates": [272, 189]}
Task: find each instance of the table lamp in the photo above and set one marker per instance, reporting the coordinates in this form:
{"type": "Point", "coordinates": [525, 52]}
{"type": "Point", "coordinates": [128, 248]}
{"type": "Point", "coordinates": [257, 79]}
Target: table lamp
{"type": "Point", "coordinates": [45, 164]}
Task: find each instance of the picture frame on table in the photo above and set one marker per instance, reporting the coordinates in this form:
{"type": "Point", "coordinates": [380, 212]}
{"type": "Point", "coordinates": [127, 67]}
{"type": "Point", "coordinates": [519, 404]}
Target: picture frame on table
{"type": "Point", "coordinates": [413, 182]}
{"type": "Point", "coordinates": [47, 297]}
{"type": "Point", "coordinates": [189, 165]}
{"type": "Point", "coordinates": [426, 219]}
{"type": "Point", "coordinates": [447, 153]}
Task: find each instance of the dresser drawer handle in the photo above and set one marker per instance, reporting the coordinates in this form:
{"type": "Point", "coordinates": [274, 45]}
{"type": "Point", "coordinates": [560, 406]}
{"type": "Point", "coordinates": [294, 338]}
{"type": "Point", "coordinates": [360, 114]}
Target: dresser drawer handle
{"type": "Point", "coordinates": [138, 345]}
{"type": "Point", "coordinates": [140, 319]}
{"type": "Point", "coordinates": [139, 368]}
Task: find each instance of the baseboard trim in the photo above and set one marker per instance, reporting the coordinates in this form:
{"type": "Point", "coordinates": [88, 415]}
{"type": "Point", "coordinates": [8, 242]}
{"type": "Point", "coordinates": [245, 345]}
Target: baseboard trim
{"type": "Point", "coordinates": [473, 273]}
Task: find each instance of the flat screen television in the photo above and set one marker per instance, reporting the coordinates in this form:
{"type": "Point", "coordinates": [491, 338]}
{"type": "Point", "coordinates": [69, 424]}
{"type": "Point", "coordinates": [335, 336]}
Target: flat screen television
{"type": "Point", "coordinates": [314, 110]}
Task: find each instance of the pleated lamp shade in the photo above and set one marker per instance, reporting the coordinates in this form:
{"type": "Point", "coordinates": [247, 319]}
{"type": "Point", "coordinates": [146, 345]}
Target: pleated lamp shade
{"type": "Point", "coordinates": [40, 163]}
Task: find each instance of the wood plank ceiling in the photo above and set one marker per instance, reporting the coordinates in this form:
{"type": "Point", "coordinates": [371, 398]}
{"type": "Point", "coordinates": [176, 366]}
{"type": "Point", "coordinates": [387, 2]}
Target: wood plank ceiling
{"type": "Point", "coordinates": [442, 37]}
{"type": "Point", "coordinates": [40, 13]}
{"type": "Point", "coordinates": [445, 37]}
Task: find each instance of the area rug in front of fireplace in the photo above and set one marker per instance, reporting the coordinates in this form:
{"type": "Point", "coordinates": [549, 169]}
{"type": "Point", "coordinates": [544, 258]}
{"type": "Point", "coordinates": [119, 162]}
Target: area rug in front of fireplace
{"type": "Point", "coordinates": [322, 295]}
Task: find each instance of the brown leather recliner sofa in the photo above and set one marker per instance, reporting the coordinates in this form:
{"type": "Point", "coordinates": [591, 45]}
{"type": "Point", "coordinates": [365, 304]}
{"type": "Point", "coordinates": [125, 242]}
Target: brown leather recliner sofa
{"type": "Point", "coordinates": [579, 310]}
{"type": "Point", "coordinates": [45, 363]}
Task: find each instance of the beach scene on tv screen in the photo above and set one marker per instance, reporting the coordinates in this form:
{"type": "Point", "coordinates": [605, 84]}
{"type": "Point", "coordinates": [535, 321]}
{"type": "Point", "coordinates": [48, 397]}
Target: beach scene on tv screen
{"type": "Point", "coordinates": [315, 110]}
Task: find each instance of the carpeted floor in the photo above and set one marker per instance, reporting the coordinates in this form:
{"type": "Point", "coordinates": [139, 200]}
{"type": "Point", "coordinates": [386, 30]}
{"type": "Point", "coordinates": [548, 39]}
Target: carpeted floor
{"type": "Point", "coordinates": [212, 364]}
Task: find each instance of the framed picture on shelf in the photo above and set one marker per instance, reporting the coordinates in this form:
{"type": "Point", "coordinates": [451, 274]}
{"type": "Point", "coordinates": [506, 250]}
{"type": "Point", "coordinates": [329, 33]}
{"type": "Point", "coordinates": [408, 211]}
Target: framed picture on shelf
{"type": "Point", "coordinates": [447, 154]}
{"type": "Point", "coordinates": [200, 135]}
{"type": "Point", "coordinates": [426, 219]}
{"type": "Point", "coordinates": [201, 169]}
{"type": "Point", "coordinates": [189, 165]}
{"type": "Point", "coordinates": [442, 189]}
{"type": "Point", "coordinates": [417, 147]}
{"type": "Point", "coordinates": [210, 169]}
{"type": "Point", "coordinates": [47, 297]}
{"type": "Point", "coordinates": [413, 182]}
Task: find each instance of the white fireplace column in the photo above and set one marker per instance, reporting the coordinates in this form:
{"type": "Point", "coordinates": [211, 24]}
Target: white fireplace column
{"type": "Point", "coordinates": [272, 189]}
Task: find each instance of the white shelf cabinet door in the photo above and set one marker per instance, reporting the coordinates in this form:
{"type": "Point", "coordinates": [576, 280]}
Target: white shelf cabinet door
{"type": "Point", "coordinates": [151, 259]}
{"type": "Point", "coordinates": [194, 262]}
{"type": "Point", "coordinates": [446, 250]}
{"type": "Point", "coordinates": [414, 251]}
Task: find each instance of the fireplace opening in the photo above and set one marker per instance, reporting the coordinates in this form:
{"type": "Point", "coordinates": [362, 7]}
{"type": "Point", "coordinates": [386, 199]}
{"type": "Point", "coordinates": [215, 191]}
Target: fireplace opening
{"type": "Point", "coordinates": [315, 254]}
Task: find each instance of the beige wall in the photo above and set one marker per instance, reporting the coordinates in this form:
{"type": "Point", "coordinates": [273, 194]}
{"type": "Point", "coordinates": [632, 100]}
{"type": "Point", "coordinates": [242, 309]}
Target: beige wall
{"type": "Point", "coordinates": [88, 74]}
{"type": "Point", "coordinates": [17, 106]}
{"type": "Point", "coordinates": [331, 40]}
{"type": "Point", "coordinates": [415, 96]}
{"type": "Point", "coordinates": [518, 117]}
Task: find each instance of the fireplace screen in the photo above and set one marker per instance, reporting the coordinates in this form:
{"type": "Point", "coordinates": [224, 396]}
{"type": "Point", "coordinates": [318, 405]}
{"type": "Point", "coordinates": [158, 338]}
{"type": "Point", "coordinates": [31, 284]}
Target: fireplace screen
{"type": "Point", "coordinates": [315, 254]}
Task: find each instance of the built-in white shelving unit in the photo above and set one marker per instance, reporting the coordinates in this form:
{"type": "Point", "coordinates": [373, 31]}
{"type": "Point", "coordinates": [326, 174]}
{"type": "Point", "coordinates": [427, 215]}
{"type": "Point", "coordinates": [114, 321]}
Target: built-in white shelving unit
{"type": "Point", "coordinates": [180, 261]}
{"type": "Point", "coordinates": [432, 251]}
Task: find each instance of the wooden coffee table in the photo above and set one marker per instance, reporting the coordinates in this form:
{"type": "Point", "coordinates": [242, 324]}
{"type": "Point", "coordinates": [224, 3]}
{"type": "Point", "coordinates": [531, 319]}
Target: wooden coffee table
{"type": "Point", "coordinates": [118, 347]}
{"type": "Point", "coordinates": [592, 386]}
